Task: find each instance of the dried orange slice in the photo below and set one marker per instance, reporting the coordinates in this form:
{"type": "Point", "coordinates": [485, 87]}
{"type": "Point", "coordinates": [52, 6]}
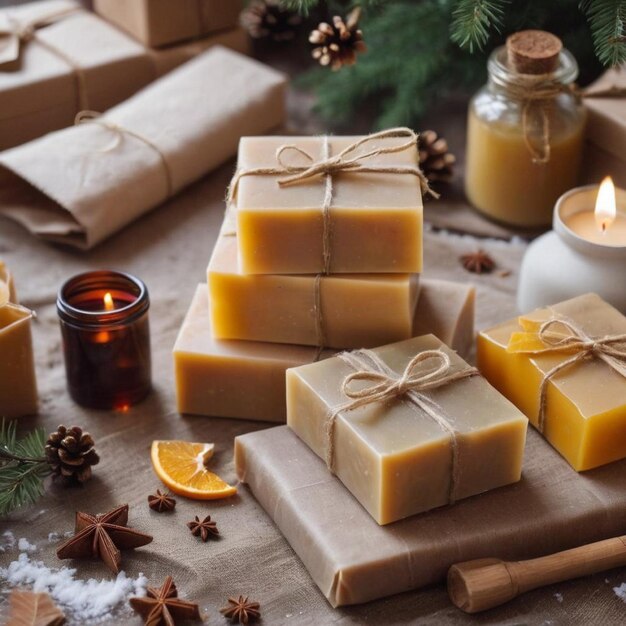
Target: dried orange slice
{"type": "Point", "coordinates": [181, 465]}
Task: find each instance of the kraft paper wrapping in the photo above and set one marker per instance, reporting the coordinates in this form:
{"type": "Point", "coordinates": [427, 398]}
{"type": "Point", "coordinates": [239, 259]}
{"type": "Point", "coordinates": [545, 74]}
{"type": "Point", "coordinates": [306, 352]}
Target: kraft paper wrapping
{"type": "Point", "coordinates": [162, 22]}
{"type": "Point", "coordinates": [80, 185]}
{"type": "Point", "coordinates": [41, 91]}
{"type": "Point", "coordinates": [353, 560]}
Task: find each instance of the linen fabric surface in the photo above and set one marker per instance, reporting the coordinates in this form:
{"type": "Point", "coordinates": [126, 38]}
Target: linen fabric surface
{"type": "Point", "coordinates": [81, 184]}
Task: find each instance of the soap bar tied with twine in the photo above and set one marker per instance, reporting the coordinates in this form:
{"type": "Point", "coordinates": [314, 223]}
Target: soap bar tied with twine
{"type": "Point", "coordinates": [411, 386]}
{"type": "Point", "coordinates": [563, 335]}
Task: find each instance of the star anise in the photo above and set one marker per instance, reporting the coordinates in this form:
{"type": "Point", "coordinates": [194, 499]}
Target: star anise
{"type": "Point", "coordinates": [478, 262]}
{"type": "Point", "coordinates": [203, 529]}
{"type": "Point", "coordinates": [162, 606]}
{"type": "Point", "coordinates": [161, 502]}
{"type": "Point", "coordinates": [241, 610]}
{"type": "Point", "coordinates": [102, 537]}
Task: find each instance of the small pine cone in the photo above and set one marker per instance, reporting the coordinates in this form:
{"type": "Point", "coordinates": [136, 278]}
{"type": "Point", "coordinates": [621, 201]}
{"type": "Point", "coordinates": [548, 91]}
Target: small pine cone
{"type": "Point", "coordinates": [267, 19]}
{"type": "Point", "coordinates": [337, 44]}
{"type": "Point", "coordinates": [70, 453]}
{"type": "Point", "coordinates": [435, 160]}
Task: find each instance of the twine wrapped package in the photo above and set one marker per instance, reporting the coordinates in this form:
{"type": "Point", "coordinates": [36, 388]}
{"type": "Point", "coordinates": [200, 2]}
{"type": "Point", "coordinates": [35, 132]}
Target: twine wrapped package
{"type": "Point", "coordinates": [18, 386]}
{"type": "Point", "coordinates": [246, 379]}
{"type": "Point", "coordinates": [338, 310]}
{"type": "Point", "coordinates": [80, 185]}
{"type": "Point", "coordinates": [162, 22]}
{"type": "Point", "coordinates": [309, 205]}
{"type": "Point", "coordinates": [407, 427]}
{"type": "Point", "coordinates": [605, 148]}
{"type": "Point", "coordinates": [353, 560]}
{"type": "Point", "coordinates": [57, 59]}
{"type": "Point", "coordinates": [565, 368]}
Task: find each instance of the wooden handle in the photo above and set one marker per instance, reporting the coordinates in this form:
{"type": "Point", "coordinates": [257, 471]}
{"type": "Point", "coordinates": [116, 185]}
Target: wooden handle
{"type": "Point", "coordinates": [482, 584]}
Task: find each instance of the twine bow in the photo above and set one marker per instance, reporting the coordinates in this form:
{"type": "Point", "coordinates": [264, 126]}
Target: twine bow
{"type": "Point", "coordinates": [387, 385]}
{"type": "Point", "coordinates": [610, 348]}
{"type": "Point", "coordinates": [93, 117]}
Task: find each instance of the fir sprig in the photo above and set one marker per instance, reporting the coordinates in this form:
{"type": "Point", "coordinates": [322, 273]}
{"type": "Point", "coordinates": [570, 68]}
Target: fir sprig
{"type": "Point", "coordinates": [23, 467]}
{"type": "Point", "coordinates": [607, 19]}
{"type": "Point", "coordinates": [474, 20]}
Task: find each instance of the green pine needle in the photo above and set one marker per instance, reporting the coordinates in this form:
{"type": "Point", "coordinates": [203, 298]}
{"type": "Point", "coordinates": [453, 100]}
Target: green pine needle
{"type": "Point", "coordinates": [474, 20]}
{"type": "Point", "coordinates": [22, 467]}
{"type": "Point", "coordinates": [607, 19]}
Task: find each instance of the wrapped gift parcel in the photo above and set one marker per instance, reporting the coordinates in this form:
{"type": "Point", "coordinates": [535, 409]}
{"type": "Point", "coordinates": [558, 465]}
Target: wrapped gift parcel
{"type": "Point", "coordinates": [353, 560]}
{"type": "Point", "coordinates": [18, 387]}
{"type": "Point", "coordinates": [408, 427]}
{"type": "Point", "coordinates": [565, 368]}
{"type": "Point", "coordinates": [605, 148]}
{"type": "Point", "coordinates": [246, 379]}
{"type": "Point", "coordinates": [309, 205]}
{"type": "Point", "coordinates": [336, 310]}
{"type": "Point", "coordinates": [58, 60]}
{"type": "Point", "coordinates": [162, 22]}
{"type": "Point", "coordinates": [82, 184]}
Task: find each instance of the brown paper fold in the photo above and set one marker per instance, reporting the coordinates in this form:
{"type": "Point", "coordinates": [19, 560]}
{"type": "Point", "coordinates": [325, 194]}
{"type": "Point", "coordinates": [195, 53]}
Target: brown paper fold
{"type": "Point", "coordinates": [80, 185]}
{"type": "Point", "coordinates": [353, 560]}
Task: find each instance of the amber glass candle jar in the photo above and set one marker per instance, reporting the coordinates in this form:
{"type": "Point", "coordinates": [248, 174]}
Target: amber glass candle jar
{"type": "Point", "coordinates": [106, 339]}
{"type": "Point", "coordinates": [525, 131]}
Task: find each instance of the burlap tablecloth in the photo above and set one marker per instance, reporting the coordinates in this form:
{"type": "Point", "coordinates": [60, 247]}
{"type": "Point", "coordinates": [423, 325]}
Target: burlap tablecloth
{"type": "Point", "coordinates": [169, 249]}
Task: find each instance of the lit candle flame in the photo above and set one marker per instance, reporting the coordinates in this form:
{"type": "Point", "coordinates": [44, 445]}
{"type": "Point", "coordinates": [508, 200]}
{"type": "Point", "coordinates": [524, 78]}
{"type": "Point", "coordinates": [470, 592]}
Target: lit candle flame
{"type": "Point", "coordinates": [606, 209]}
{"type": "Point", "coordinates": [109, 305]}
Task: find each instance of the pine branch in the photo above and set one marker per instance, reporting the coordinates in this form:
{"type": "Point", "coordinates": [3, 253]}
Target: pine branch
{"type": "Point", "coordinates": [607, 19]}
{"type": "Point", "coordinates": [473, 21]}
{"type": "Point", "coordinates": [23, 467]}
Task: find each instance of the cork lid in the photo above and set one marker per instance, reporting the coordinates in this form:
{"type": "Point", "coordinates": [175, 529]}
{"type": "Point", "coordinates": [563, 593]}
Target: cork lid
{"type": "Point", "coordinates": [533, 51]}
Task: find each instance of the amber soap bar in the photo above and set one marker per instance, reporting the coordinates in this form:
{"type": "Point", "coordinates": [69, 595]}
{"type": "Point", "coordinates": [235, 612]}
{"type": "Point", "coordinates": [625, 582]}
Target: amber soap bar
{"type": "Point", "coordinates": [394, 458]}
{"type": "Point", "coordinates": [585, 412]}
{"type": "Point", "coordinates": [18, 387]}
{"type": "Point", "coordinates": [338, 310]}
{"type": "Point", "coordinates": [246, 379]}
{"type": "Point", "coordinates": [375, 219]}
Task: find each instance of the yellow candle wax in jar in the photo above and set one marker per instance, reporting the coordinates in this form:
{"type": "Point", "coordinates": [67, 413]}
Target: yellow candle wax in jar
{"type": "Point", "coordinates": [525, 132]}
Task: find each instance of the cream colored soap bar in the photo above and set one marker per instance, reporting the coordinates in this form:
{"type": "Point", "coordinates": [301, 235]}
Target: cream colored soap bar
{"type": "Point", "coordinates": [585, 409]}
{"type": "Point", "coordinates": [374, 219]}
{"type": "Point", "coordinates": [7, 286]}
{"type": "Point", "coordinates": [339, 310]}
{"type": "Point", "coordinates": [246, 379]}
{"type": "Point", "coordinates": [394, 457]}
{"type": "Point", "coordinates": [18, 388]}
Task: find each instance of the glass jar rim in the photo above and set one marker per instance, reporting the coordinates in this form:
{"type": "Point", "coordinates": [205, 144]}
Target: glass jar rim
{"type": "Point", "coordinates": [503, 75]}
{"type": "Point", "coordinates": [108, 280]}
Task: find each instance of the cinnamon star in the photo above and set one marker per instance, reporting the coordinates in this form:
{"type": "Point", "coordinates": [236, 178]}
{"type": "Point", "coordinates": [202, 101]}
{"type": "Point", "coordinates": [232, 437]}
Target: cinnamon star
{"type": "Point", "coordinates": [102, 537]}
{"type": "Point", "coordinates": [161, 502]}
{"type": "Point", "coordinates": [162, 606]}
{"type": "Point", "coordinates": [203, 529]}
{"type": "Point", "coordinates": [478, 262]}
{"type": "Point", "coordinates": [241, 610]}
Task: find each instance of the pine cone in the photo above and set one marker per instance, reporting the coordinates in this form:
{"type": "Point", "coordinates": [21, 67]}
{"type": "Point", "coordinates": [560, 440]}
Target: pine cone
{"type": "Point", "coordinates": [435, 160]}
{"type": "Point", "coordinates": [337, 44]}
{"type": "Point", "coordinates": [70, 453]}
{"type": "Point", "coordinates": [267, 19]}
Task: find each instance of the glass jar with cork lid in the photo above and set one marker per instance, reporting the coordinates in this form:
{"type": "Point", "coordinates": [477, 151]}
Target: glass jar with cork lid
{"type": "Point", "coordinates": [525, 131]}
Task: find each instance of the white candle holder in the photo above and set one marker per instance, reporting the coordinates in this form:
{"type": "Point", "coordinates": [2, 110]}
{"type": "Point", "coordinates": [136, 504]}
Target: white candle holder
{"type": "Point", "coordinates": [561, 264]}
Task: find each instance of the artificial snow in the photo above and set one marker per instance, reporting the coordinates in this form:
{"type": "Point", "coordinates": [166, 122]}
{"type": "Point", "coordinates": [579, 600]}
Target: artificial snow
{"type": "Point", "coordinates": [23, 545]}
{"type": "Point", "coordinates": [559, 597]}
{"type": "Point", "coordinates": [620, 592]}
{"type": "Point", "coordinates": [85, 601]}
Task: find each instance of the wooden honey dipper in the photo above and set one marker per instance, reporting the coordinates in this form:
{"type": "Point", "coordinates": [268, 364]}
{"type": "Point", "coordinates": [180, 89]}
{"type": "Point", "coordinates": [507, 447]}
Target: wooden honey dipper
{"type": "Point", "coordinates": [482, 584]}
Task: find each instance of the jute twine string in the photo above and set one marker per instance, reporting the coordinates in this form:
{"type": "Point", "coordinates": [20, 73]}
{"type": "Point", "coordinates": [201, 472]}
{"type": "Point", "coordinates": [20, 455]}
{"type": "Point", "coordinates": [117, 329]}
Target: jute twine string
{"type": "Point", "coordinates": [93, 117]}
{"type": "Point", "coordinates": [610, 348]}
{"type": "Point", "coordinates": [386, 385]}
{"type": "Point", "coordinates": [27, 32]}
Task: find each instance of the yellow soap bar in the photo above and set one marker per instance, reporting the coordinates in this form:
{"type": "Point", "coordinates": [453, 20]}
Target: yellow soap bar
{"type": "Point", "coordinates": [338, 310]}
{"type": "Point", "coordinates": [246, 379]}
{"type": "Point", "coordinates": [585, 411]}
{"type": "Point", "coordinates": [374, 219]}
{"type": "Point", "coordinates": [18, 387]}
{"type": "Point", "coordinates": [394, 457]}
